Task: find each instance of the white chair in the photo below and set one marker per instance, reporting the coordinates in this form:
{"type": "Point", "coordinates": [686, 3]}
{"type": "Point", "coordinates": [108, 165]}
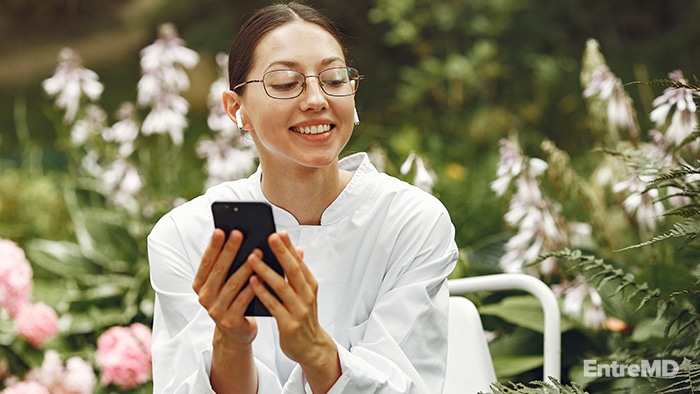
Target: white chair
{"type": "Point", "coordinates": [469, 365]}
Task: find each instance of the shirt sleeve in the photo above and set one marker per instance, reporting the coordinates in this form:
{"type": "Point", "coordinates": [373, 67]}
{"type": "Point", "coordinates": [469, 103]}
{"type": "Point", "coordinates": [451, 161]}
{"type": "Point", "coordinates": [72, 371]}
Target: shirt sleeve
{"type": "Point", "coordinates": [182, 329]}
{"type": "Point", "coordinates": [402, 346]}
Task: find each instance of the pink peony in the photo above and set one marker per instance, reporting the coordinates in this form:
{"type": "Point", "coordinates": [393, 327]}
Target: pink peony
{"type": "Point", "coordinates": [124, 355]}
{"type": "Point", "coordinates": [76, 377]}
{"type": "Point", "coordinates": [37, 323]}
{"type": "Point", "coordinates": [79, 378]}
{"type": "Point", "coordinates": [15, 277]}
{"type": "Point", "coordinates": [26, 388]}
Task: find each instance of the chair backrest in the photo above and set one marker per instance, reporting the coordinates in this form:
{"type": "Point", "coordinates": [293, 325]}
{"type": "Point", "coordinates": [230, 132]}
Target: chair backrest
{"type": "Point", "coordinates": [469, 365]}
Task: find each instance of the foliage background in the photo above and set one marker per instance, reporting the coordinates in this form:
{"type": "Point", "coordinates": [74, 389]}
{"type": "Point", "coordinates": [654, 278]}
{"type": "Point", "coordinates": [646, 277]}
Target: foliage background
{"type": "Point", "coordinates": [446, 78]}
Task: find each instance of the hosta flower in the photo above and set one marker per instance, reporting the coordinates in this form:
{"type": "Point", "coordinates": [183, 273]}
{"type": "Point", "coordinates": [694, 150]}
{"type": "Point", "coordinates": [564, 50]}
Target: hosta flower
{"type": "Point", "coordinates": [684, 118]}
{"type": "Point", "coordinates": [92, 123]}
{"type": "Point", "coordinates": [601, 84]}
{"type": "Point", "coordinates": [582, 302]}
{"type": "Point", "coordinates": [124, 356]}
{"type": "Point", "coordinates": [163, 64]}
{"type": "Point", "coordinates": [422, 178]}
{"type": "Point", "coordinates": [230, 155]}
{"type": "Point", "coordinates": [218, 119]}
{"type": "Point", "coordinates": [121, 182]}
{"type": "Point", "coordinates": [15, 278]}
{"type": "Point", "coordinates": [227, 158]}
{"type": "Point", "coordinates": [124, 131]}
{"type": "Point", "coordinates": [37, 323]}
{"type": "Point", "coordinates": [641, 202]}
{"type": "Point", "coordinates": [539, 228]}
{"type": "Point", "coordinates": [70, 83]}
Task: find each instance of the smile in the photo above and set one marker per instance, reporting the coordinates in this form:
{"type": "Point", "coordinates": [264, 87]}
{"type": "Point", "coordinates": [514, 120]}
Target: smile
{"type": "Point", "coordinates": [318, 129]}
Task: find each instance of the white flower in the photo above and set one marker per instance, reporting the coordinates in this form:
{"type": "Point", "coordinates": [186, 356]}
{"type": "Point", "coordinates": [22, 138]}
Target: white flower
{"type": "Point", "coordinates": [509, 166]}
{"type": "Point", "coordinates": [70, 83]}
{"type": "Point", "coordinates": [539, 228]}
{"type": "Point", "coordinates": [218, 119]}
{"type": "Point", "coordinates": [228, 158]}
{"type": "Point", "coordinates": [423, 178]}
{"type": "Point", "coordinates": [121, 182]}
{"type": "Point", "coordinates": [581, 301]}
{"type": "Point", "coordinates": [167, 51]}
{"type": "Point", "coordinates": [164, 78]}
{"type": "Point", "coordinates": [684, 119]}
{"type": "Point", "coordinates": [124, 131]}
{"type": "Point", "coordinates": [640, 201]}
{"type": "Point", "coordinates": [608, 89]}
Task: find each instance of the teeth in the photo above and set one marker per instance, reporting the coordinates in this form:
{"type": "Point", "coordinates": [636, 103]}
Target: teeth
{"type": "Point", "coordinates": [313, 129]}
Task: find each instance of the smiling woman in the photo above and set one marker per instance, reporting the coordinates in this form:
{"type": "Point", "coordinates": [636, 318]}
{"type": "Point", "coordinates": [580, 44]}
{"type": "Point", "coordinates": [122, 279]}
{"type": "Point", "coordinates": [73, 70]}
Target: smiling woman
{"type": "Point", "coordinates": [356, 246]}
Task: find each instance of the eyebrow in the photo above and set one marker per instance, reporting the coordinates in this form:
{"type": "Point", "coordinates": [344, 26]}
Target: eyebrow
{"type": "Point", "coordinates": [292, 64]}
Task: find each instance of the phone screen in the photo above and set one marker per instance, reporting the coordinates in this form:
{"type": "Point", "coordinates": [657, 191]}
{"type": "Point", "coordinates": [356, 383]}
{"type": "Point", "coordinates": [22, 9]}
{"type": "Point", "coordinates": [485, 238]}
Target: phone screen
{"type": "Point", "coordinates": [255, 221]}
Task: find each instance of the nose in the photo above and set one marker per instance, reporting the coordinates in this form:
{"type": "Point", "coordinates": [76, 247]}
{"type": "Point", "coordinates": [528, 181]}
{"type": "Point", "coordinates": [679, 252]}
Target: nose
{"type": "Point", "coordinates": [313, 96]}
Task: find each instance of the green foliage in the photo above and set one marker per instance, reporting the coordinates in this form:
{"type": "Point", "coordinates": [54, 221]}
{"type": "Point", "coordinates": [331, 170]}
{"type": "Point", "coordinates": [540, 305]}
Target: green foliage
{"type": "Point", "coordinates": [537, 387]}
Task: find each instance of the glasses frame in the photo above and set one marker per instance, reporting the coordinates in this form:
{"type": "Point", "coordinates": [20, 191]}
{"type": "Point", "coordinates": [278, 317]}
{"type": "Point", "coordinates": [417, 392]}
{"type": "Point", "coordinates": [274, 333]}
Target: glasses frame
{"type": "Point", "coordinates": [303, 85]}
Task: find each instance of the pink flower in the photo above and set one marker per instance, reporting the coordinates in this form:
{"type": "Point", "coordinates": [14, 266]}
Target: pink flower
{"type": "Point", "coordinates": [124, 355]}
{"type": "Point", "coordinates": [15, 277]}
{"type": "Point", "coordinates": [26, 388]}
{"type": "Point", "coordinates": [76, 377]}
{"type": "Point", "coordinates": [37, 323]}
{"type": "Point", "coordinates": [79, 377]}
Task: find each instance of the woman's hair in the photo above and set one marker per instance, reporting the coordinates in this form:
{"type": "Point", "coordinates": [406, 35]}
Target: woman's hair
{"type": "Point", "coordinates": [240, 56]}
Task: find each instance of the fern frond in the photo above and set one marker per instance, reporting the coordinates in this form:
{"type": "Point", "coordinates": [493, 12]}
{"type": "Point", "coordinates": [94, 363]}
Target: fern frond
{"type": "Point", "coordinates": [602, 273]}
{"type": "Point", "coordinates": [537, 387]}
{"type": "Point", "coordinates": [676, 173]}
{"type": "Point", "coordinates": [687, 380]}
{"type": "Point", "coordinates": [688, 228]}
{"type": "Point", "coordinates": [687, 140]}
{"type": "Point", "coordinates": [687, 211]}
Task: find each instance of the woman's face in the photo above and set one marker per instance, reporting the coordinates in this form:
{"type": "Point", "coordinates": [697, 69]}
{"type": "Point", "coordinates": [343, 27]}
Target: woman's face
{"type": "Point", "coordinates": [308, 131]}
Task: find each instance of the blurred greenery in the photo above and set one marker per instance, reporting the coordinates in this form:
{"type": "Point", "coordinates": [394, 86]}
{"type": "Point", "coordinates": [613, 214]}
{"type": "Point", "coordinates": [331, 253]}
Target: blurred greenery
{"type": "Point", "coordinates": [444, 78]}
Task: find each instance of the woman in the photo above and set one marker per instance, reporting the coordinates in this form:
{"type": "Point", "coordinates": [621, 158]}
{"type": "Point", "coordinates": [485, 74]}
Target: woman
{"type": "Point", "coordinates": [363, 307]}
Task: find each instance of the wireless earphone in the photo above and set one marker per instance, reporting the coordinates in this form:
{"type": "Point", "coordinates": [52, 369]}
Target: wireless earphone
{"type": "Point", "coordinates": [357, 118]}
{"type": "Point", "coordinates": [239, 120]}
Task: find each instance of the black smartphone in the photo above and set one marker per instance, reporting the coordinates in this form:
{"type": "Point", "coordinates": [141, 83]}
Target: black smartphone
{"type": "Point", "coordinates": [253, 219]}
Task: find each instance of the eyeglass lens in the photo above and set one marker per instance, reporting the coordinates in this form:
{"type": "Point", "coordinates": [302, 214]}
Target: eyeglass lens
{"type": "Point", "coordinates": [337, 81]}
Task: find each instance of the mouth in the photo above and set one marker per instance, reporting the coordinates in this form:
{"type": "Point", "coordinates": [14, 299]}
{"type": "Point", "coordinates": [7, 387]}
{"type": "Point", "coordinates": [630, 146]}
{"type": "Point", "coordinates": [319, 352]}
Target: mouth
{"type": "Point", "coordinates": [316, 129]}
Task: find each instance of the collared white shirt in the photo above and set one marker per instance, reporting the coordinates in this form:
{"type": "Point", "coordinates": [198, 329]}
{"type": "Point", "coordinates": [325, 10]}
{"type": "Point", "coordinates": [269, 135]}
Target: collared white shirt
{"type": "Point", "coordinates": [381, 257]}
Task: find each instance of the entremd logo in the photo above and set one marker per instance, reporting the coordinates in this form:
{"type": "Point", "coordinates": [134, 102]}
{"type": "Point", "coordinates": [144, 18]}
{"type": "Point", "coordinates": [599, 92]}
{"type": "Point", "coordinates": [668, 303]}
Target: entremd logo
{"type": "Point", "coordinates": [652, 368]}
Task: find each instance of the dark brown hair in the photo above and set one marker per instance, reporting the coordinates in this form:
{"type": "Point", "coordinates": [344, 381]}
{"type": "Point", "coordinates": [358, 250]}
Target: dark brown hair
{"type": "Point", "coordinates": [240, 56]}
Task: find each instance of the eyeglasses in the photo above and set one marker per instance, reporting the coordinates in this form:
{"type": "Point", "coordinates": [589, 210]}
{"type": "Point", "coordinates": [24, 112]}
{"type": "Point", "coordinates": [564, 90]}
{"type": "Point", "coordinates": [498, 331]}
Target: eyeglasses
{"type": "Point", "coordinates": [289, 84]}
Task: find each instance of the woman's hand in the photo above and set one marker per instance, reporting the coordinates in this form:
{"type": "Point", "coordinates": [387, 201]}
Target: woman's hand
{"type": "Point", "coordinates": [302, 338]}
{"type": "Point", "coordinates": [226, 300]}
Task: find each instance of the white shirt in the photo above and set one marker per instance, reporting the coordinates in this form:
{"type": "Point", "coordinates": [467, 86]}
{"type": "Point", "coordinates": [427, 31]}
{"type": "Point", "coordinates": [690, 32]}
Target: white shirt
{"type": "Point", "coordinates": [381, 256]}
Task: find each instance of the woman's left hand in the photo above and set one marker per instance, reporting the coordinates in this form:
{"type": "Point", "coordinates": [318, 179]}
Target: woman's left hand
{"type": "Point", "coordinates": [302, 338]}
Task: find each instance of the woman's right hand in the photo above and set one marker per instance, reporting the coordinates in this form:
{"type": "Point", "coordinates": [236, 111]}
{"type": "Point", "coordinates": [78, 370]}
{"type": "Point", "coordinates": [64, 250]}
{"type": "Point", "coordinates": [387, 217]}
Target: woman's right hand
{"type": "Point", "coordinates": [226, 300]}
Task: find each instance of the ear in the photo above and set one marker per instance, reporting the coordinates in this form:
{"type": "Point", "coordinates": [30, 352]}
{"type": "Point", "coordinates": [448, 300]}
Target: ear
{"type": "Point", "coordinates": [231, 101]}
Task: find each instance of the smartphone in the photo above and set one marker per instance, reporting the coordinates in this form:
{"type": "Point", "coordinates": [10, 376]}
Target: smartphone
{"type": "Point", "coordinates": [253, 219]}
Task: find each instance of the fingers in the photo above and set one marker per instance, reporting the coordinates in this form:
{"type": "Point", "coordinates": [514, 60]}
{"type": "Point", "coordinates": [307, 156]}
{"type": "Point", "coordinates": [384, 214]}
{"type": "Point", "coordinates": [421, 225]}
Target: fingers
{"type": "Point", "coordinates": [211, 277]}
{"type": "Point", "coordinates": [209, 259]}
{"type": "Point", "coordinates": [297, 294]}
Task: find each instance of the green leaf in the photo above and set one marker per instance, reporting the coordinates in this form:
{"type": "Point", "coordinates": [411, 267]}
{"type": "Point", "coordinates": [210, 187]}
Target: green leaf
{"type": "Point", "coordinates": [511, 365]}
{"type": "Point", "coordinates": [524, 311]}
{"type": "Point", "coordinates": [64, 259]}
{"type": "Point", "coordinates": [649, 328]}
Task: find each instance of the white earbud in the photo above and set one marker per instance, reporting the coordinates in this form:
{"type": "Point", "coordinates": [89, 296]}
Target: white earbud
{"type": "Point", "coordinates": [239, 120]}
{"type": "Point", "coordinates": [356, 118]}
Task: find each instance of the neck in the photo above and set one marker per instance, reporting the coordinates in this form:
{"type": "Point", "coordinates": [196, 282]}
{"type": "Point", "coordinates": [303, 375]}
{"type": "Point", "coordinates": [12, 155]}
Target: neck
{"type": "Point", "coordinates": [304, 192]}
